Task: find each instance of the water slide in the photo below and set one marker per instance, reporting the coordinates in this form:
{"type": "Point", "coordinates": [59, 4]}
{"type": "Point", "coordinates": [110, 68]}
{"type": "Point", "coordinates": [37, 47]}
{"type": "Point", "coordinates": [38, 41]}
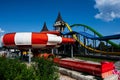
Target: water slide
{"type": "Point", "coordinates": [89, 48]}
{"type": "Point", "coordinates": [92, 37]}
{"type": "Point", "coordinates": [97, 33]}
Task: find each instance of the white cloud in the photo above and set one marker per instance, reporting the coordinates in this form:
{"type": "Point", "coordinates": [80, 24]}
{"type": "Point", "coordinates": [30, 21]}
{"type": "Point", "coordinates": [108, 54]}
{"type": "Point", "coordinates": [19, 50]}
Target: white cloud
{"type": "Point", "coordinates": [1, 31]}
{"type": "Point", "coordinates": [108, 9]}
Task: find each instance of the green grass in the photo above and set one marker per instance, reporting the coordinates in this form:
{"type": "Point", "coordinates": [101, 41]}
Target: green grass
{"type": "Point", "coordinates": [94, 59]}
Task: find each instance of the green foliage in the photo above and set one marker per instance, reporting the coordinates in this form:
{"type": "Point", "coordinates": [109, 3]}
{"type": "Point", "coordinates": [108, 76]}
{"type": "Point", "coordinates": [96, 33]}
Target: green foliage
{"type": "Point", "coordinates": [11, 69]}
{"type": "Point", "coordinates": [46, 69]}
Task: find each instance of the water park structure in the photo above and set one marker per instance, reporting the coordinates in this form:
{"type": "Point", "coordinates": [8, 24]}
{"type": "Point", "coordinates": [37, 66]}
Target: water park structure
{"type": "Point", "coordinates": [58, 36]}
{"type": "Point", "coordinates": [60, 42]}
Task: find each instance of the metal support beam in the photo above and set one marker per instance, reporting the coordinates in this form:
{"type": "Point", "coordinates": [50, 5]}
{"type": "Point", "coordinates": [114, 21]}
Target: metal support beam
{"type": "Point", "coordinates": [52, 51]}
{"type": "Point", "coordinates": [85, 50]}
{"type": "Point", "coordinates": [107, 48]}
{"type": "Point", "coordinates": [56, 51]}
{"type": "Point", "coordinates": [71, 51]}
{"type": "Point", "coordinates": [29, 55]}
{"type": "Point", "coordinates": [8, 53]}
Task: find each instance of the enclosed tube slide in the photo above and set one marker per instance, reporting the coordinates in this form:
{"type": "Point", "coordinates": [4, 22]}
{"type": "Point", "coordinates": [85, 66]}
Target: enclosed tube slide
{"type": "Point", "coordinates": [34, 40]}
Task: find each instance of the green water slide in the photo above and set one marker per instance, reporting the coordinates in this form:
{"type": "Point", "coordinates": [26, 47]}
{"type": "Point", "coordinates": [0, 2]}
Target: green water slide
{"type": "Point", "coordinates": [97, 33]}
{"type": "Point", "coordinates": [89, 48]}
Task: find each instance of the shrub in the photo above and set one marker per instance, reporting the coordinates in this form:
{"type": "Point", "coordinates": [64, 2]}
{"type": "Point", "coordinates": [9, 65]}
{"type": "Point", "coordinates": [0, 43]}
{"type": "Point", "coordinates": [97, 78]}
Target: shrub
{"type": "Point", "coordinates": [12, 69]}
{"type": "Point", "coordinates": [46, 69]}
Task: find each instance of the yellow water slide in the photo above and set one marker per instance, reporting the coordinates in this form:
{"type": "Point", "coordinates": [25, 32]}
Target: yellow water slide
{"type": "Point", "coordinates": [89, 48]}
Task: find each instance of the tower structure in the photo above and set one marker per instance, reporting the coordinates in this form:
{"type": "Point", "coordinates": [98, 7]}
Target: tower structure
{"type": "Point", "coordinates": [59, 23]}
{"type": "Point", "coordinates": [44, 27]}
{"type": "Point", "coordinates": [47, 50]}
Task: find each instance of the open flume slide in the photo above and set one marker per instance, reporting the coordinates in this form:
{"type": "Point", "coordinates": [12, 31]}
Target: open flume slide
{"type": "Point", "coordinates": [97, 33]}
{"type": "Point", "coordinates": [92, 37]}
{"type": "Point", "coordinates": [89, 48]}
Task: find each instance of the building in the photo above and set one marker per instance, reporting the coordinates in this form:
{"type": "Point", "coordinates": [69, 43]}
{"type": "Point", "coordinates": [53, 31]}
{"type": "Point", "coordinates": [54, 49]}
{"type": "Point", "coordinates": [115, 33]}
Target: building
{"type": "Point", "coordinates": [59, 24]}
{"type": "Point", "coordinates": [44, 27]}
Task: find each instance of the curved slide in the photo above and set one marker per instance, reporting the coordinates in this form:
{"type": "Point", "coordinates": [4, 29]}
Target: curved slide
{"type": "Point", "coordinates": [89, 48]}
{"type": "Point", "coordinates": [92, 37]}
{"type": "Point", "coordinates": [98, 34]}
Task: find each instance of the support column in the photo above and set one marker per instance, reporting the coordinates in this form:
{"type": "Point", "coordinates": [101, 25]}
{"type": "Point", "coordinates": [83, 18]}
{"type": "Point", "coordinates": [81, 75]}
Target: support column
{"type": "Point", "coordinates": [93, 46]}
{"type": "Point", "coordinates": [85, 50]}
{"type": "Point", "coordinates": [71, 51]}
{"type": "Point", "coordinates": [56, 51]}
{"type": "Point", "coordinates": [19, 54]}
{"type": "Point", "coordinates": [64, 49]}
{"type": "Point", "coordinates": [52, 51]}
{"type": "Point", "coordinates": [79, 46]}
{"type": "Point", "coordinates": [87, 44]}
{"type": "Point", "coordinates": [112, 49]}
{"type": "Point", "coordinates": [107, 47]}
{"type": "Point", "coordinates": [29, 55]}
{"type": "Point", "coordinates": [100, 48]}
{"type": "Point", "coordinates": [8, 53]}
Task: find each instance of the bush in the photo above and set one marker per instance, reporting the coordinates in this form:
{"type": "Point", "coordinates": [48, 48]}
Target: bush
{"type": "Point", "coordinates": [11, 69]}
{"type": "Point", "coordinates": [46, 69]}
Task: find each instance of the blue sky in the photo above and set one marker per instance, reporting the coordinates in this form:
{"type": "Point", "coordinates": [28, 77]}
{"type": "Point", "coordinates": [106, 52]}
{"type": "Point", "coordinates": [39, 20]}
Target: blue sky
{"type": "Point", "coordinates": [30, 15]}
